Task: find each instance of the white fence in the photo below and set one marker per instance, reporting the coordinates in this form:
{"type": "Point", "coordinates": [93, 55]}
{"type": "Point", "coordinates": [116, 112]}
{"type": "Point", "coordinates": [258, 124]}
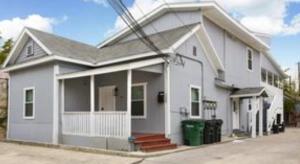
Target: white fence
{"type": "Point", "coordinates": [102, 124]}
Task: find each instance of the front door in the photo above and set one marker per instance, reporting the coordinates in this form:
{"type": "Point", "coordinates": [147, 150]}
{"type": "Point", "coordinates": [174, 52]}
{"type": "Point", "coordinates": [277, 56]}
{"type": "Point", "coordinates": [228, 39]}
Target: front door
{"type": "Point", "coordinates": [236, 114]}
{"type": "Point", "coordinates": [107, 99]}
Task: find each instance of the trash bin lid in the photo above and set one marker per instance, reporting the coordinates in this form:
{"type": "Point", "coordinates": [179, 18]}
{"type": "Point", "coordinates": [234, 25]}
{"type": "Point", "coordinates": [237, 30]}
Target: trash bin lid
{"type": "Point", "coordinates": [194, 122]}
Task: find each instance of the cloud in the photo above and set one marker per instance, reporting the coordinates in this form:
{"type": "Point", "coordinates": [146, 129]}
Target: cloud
{"type": "Point", "coordinates": [264, 16]}
{"type": "Point", "coordinates": [11, 28]}
{"type": "Point", "coordinates": [99, 2]}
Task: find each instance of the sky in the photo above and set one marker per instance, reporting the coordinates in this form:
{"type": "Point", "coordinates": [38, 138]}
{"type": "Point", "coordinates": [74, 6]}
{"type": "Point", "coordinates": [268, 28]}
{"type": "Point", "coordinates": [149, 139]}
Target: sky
{"type": "Point", "coordinates": [91, 21]}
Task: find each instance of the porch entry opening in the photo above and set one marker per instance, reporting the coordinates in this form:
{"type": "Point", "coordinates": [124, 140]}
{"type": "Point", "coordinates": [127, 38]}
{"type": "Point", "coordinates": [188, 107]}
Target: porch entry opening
{"type": "Point", "coordinates": [107, 98]}
{"type": "Point", "coordinates": [236, 114]}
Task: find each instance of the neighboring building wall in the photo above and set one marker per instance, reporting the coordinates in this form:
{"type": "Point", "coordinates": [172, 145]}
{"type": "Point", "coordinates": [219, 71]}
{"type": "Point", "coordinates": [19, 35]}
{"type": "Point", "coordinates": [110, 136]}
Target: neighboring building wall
{"type": "Point", "coordinates": [195, 74]}
{"type": "Point", "coordinates": [3, 103]}
{"type": "Point", "coordinates": [38, 52]}
{"type": "Point", "coordinates": [233, 54]}
{"type": "Point", "coordinates": [40, 128]}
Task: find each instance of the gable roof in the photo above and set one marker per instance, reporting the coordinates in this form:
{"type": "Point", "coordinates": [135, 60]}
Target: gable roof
{"type": "Point", "coordinates": [249, 92]}
{"type": "Point", "coordinates": [59, 48]}
{"type": "Point", "coordinates": [209, 9]}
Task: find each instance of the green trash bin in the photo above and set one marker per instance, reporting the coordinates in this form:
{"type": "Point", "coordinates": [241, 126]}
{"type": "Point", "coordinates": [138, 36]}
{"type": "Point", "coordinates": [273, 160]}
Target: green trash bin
{"type": "Point", "coordinates": [193, 132]}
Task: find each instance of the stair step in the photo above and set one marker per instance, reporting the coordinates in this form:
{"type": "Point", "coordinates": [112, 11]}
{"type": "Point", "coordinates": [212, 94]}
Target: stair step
{"type": "Point", "coordinates": [158, 147]}
{"type": "Point", "coordinates": [150, 137]}
{"type": "Point", "coordinates": [150, 142]}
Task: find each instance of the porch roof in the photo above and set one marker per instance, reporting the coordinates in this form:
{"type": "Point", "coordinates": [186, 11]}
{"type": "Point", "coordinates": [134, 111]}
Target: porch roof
{"type": "Point", "coordinates": [112, 68]}
{"type": "Point", "coordinates": [249, 92]}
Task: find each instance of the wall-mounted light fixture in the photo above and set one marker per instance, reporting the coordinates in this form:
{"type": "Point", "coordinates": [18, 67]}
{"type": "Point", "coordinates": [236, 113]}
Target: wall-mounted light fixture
{"type": "Point", "coordinates": [116, 91]}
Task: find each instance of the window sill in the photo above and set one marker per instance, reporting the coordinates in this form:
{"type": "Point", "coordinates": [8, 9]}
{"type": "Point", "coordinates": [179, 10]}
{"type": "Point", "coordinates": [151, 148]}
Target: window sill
{"type": "Point", "coordinates": [28, 118]}
{"type": "Point", "coordinates": [139, 117]}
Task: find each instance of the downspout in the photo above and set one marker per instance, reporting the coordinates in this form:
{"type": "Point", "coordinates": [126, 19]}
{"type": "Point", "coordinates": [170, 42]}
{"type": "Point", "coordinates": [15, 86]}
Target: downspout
{"type": "Point", "coordinates": [202, 78]}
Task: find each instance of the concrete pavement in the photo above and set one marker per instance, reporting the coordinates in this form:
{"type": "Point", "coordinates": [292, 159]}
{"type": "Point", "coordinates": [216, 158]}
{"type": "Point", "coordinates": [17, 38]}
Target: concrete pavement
{"type": "Point", "coordinates": [276, 149]}
{"type": "Point", "coordinates": [15, 154]}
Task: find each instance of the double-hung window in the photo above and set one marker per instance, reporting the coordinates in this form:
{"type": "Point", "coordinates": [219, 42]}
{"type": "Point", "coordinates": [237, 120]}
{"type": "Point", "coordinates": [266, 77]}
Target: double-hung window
{"type": "Point", "coordinates": [29, 97]}
{"type": "Point", "coordinates": [138, 100]}
{"type": "Point", "coordinates": [195, 102]}
{"type": "Point", "coordinates": [250, 59]}
{"type": "Point", "coordinates": [263, 75]}
{"type": "Point", "coordinates": [270, 78]}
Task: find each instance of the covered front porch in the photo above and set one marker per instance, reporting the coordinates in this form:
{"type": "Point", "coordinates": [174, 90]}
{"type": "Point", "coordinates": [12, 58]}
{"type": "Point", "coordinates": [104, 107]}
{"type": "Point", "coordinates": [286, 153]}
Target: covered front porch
{"type": "Point", "coordinates": [248, 111]}
{"type": "Point", "coordinates": [114, 102]}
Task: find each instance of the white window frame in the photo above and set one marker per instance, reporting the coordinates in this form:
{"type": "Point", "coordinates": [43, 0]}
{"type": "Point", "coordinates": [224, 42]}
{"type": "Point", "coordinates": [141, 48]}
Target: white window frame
{"type": "Point", "coordinates": [200, 102]}
{"type": "Point", "coordinates": [33, 103]}
{"type": "Point", "coordinates": [145, 100]}
{"type": "Point", "coordinates": [247, 58]}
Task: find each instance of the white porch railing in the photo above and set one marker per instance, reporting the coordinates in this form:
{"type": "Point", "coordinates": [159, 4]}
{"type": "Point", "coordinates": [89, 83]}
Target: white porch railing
{"type": "Point", "coordinates": [105, 124]}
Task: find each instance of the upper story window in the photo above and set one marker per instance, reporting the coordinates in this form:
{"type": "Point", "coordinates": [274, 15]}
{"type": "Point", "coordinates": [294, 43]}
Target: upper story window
{"type": "Point", "coordinates": [276, 81]}
{"type": "Point", "coordinates": [270, 78]}
{"type": "Point", "coordinates": [263, 75]}
{"type": "Point", "coordinates": [194, 51]}
{"type": "Point", "coordinates": [29, 50]}
{"type": "Point", "coordinates": [250, 59]}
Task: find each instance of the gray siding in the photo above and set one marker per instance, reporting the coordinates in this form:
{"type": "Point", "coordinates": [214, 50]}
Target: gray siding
{"type": "Point", "coordinates": [169, 21]}
{"type": "Point", "coordinates": [70, 68]}
{"type": "Point", "coordinates": [155, 121]}
{"type": "Point", "coordinates": [191, 74]}
{"type": "Point", "coordinates": [233, 54]}
{"type": "Point", "coordinates": [266, 64]}
{"type": "Point", "coordinates": [22, 57]}
{"type": "Point", "coordinates": [40, 128]}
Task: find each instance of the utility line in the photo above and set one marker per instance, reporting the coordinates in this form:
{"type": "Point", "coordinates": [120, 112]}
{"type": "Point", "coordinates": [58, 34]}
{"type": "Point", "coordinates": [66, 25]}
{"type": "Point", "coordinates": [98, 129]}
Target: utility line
{"type": "Point", "coordinates": [127, 17]}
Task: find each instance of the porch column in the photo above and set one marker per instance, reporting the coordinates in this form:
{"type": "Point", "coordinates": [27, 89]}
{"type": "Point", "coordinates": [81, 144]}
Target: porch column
{"type": "Point", "coordinates": [92, 105]}
{"type": "Point", "coordinates": [260, 116]}
{"type": "Point", "coordinates": [253, 118]}
{"type": "Point", "coordinates": [129, 83]}
{"type": "Point", "coordinates": [62, 104]}
{"type": "Point", "coordinates": [167, 99]}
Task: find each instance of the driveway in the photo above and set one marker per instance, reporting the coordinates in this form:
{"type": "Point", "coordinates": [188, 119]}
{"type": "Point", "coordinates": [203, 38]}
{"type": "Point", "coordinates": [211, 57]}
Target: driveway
{"type": "Point", "coordinates": [16, 154]}
{"type": "Point", "coordinates": [276, 149]}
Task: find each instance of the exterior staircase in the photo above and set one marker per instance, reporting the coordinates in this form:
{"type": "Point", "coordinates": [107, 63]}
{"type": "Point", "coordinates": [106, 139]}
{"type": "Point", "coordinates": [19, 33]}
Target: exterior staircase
{"type": "Point", "coordinates": [153, 142]}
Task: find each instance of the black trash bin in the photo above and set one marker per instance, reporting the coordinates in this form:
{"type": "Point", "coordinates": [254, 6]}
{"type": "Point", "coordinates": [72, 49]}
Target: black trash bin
{"type": "Point", "coordinates": [275, 129]}
{"type": "Point", "coordinates": [282, 127]}
{"type": "Point", "coordinates": [219, 130]}
{"type": "Point", "coordinates": [208, 132]}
